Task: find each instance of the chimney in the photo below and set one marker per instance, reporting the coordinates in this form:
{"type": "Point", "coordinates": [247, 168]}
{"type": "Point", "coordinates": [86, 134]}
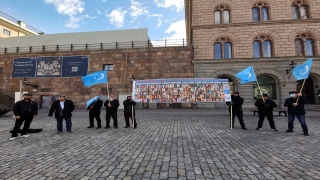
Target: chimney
{"type": "Point", "coordinates": [21, 24]}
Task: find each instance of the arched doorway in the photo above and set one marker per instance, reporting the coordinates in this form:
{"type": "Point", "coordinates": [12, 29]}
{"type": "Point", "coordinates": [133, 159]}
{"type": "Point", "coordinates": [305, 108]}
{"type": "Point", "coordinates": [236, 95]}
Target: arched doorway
{"type": "Point", "coordinates": [308, 90]}
{"type": "Point", "coordinates": [267, 85]}
{"type": "Point", "coordinates": [231, 83]}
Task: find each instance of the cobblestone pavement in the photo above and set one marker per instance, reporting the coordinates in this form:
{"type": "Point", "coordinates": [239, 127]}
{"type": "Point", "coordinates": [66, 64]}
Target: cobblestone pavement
{"type": "Point", "coordinates": [168, 144]}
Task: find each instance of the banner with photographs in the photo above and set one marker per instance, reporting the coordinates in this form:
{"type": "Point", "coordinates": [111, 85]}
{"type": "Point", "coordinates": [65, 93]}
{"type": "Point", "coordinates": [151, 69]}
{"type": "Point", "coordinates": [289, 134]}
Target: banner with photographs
{"type": "Point", "coordinates": [181, 90]}
{"type": "Point", "coordinates": [55, 66]}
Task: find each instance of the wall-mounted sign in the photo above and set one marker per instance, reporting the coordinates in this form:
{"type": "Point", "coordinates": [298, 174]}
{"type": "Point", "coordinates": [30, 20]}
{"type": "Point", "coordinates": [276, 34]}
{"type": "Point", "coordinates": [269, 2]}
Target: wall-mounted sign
{"type": "Point", "coordinates": [56, 66]}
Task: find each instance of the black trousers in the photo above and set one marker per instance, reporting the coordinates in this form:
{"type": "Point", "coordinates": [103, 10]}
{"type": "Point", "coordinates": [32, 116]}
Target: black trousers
{"type": "Point", "coordinates": [27, 121]}
{"type": "Point", "coordinates": [269, 116]}
{"type": "Point", "coordinates": [126, 118]}
{"type": "Point", "coordinates": [92, 115]}
{"type": "Point", "coordinates": [239, 114]}
{"type": "Point", "coordinates": [114, 116]}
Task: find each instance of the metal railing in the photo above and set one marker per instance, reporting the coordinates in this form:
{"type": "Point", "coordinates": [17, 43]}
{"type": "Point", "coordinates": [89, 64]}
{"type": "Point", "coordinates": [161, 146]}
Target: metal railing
{"type": "Point", "coordinates": [10, 18]}
{"type": "Point", "coordinates": [6, 102]}
{"type": "Point", "coordinates": [95, 46]}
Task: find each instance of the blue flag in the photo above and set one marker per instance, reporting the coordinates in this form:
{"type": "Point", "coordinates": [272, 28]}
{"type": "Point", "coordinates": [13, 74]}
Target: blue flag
{"type": "Point", "coordinates": [92, 100]}
{"type": "Point", "coordinates": [247, 75]}
{"type": "Point", "coordinates": [95, 78]}
{"type": "Point", "coordinates": [302, 71]}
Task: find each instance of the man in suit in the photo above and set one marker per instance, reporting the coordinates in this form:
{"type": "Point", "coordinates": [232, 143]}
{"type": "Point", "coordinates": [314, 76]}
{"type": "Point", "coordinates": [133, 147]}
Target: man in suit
{"type": "Point", "coordinates": [265, 108]}
{"type": "Point", "coordinates": [129, 110]}
{"type": "Point", "coordinates": [112, 105]}
{"type": "Point", "coordinates": [62, 109]}
{"type": "Point", "coordinates": [94, 112]}
{"type": "Point", "coordinates": [24, 111]}
{"type": "Point", "coordinates": [295, 106]}
{"type": "Point", "coordinates": [236, 104]}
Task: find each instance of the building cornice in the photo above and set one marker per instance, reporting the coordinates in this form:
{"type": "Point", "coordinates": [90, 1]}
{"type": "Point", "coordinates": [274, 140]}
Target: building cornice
{"type": "Point", "coordinates": [254, 60]}
{"type": "Point", "coordinates": [15, 26]}
{"type": "Point", "coordinates": [259, 23]}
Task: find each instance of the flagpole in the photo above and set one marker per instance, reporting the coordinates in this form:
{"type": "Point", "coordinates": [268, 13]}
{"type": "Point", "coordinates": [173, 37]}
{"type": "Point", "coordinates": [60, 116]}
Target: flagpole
{"type": "Point", "coordinates": [231, 116]}
{"type": "Point", "coordinates": [258, 85]}
{"type": "Point", "coordinates": [301, 89]}
{"type": "Point", "coordinates": [132, 95]}
{"type": "Point", "coordinates": [108, 93]}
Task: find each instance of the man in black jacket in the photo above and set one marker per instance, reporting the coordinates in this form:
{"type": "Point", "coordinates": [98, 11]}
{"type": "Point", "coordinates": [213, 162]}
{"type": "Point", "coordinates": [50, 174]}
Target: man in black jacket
{"type": "Point", "coordinates": [129, 105]}
{"type": "Point", "coordinates": [265, 108]}
{"type": "Point", "coordinates": [24, 111]}
{"type": "Point", "coordinates": [62, 109]}
{"type": "Point", "coordinates": [94, 112]}
{"type": "Point", "coordinates": [296, 109]}
{"type": "Point", "coordinates": [236, 103]}
{"type": "Point", "coordinates": [112, 105]}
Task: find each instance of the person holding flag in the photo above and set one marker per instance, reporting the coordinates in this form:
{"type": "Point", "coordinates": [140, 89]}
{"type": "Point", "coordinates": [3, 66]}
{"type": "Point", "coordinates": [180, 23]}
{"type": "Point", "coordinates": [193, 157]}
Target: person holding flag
{"type": "Point", "coordinates": [112, 105]}
{"type": "Point", "coordinates": [265, 109]}
{"type": "Point", "coordinates": [94, 109]}
{"type": "Point", "coordinates": [296, 101]}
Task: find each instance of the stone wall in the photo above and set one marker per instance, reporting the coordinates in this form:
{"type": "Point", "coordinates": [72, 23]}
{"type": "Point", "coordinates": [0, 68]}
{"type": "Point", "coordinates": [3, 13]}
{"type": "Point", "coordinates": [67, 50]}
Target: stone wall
{"type": "Point", "coordinates": [142, 63]}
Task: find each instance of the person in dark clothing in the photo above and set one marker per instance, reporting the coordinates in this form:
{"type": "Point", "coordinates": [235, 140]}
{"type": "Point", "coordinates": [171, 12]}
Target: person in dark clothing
{"type": "Point", "coordinates": [236, 103]}
{"type": "Point", "coordinates": [318, 94]}
{"type": "Point", "coordinates": [265, 108]}
{"type": "Point", "coordinates": [62, 109]}
{"type": "Point", "coordinates": [296, 109]}
{"type": "Point", "coordinates": [112, 105]}
{"type": "Point", "coordinates": [94, 112]}
{"type": "Point", "coordinates": [129, 105]}
{"type": "Point", "coordinates": [24, 111]}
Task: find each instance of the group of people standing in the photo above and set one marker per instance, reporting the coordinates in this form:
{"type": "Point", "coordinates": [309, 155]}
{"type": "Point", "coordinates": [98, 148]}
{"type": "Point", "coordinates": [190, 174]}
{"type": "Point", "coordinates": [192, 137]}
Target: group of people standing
{"type": "Point", "coordinates": [26, 109]}
{"type": "Point", "coordinates": [112, 105]}
{"type": "Point", "coordinates": [295, 104]}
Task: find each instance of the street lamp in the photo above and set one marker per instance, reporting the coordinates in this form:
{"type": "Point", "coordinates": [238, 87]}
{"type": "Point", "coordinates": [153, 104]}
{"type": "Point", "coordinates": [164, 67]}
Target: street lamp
{"type": "Point", "coordinates": [22, 81]}
{"type": "Point", "coordinates": [292, 65]}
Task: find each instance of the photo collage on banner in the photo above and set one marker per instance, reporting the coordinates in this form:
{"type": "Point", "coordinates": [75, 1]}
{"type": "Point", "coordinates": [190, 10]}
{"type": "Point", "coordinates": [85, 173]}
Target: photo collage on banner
{"type": "Point", "coordinates": [182, 90]}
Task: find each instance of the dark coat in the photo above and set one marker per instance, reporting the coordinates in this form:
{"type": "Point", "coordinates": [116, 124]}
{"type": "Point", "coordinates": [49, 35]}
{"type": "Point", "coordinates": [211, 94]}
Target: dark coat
{"type": "Point", "coordinates": [21, 108]}
{"type": "Point", "coordinates": [114, 105]}
{"type": "Point", "coordinates": [298, 109]}
{"type": "Point", "coordinates": [68, 108]}
{"type": "Point", "coordinates": [266, 106]}
{"type": "Point", "coordinates": [236, 103]}
{"type": "Point", "coordinates": [128, 105]}
{"type": "Point", "coordinates": [96, 106]}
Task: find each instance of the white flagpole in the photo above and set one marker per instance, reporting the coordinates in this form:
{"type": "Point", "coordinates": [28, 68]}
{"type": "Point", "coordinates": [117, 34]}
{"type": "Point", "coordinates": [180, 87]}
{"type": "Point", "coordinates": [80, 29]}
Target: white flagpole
{"type": "Point", "coordinates": [258, 85]}
{"type": "Point", "coordinates": [231, 116]}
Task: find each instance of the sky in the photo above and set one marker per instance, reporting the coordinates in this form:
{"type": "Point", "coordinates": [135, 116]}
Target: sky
{"type": "Point", "coordinates": [164, 19]}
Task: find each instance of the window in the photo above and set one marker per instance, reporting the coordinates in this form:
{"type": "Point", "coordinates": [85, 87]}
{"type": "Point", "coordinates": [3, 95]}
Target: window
{"type": "Point", "coordinates": [222, 14]}
{"type": "Point", "coordinates": [6, 32]}
{"type": "Point", "coordinates": [262, 47]}
{"type": "Point", "coordinates": [304, 45]}
{"type": "Point", "coordinates": [260, 12]}
{"type": "Point", "coordinates": [223, 49]}
{"type": "Point", "coordinates": [300, 9]}
{"type": "Point", "coordinates": [108, 67]}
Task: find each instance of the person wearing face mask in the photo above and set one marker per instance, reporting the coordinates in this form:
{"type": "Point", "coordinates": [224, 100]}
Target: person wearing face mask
{"type": "Point", "coordinates": [236, 104]}
{"type": "Point", "coordinates": [24, 111]}
{"type": "Point", "coordinates": [265, 108]}
{"type": "Point", "coordinates": [296, 108]}
{"type": "Point", "coordinates": [112, 105]}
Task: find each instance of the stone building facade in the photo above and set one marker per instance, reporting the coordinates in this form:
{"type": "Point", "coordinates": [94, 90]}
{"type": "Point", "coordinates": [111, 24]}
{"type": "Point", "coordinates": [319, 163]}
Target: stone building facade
{"type": "Point", "coordinates": [142, 63]}
{"type": "Point", "coordinates": [230, 35]}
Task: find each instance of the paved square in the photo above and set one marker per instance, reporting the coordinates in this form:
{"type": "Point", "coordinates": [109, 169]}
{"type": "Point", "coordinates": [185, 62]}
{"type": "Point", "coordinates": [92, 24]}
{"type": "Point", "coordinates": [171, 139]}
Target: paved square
{"type": "Point", "coordinates": [168, 144]}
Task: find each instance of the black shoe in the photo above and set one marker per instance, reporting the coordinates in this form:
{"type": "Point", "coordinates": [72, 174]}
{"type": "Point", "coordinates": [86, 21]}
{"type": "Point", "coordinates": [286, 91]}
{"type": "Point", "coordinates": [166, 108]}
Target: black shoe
{"type": "Point", "coordinates": [135, 127]}
{"type": "Point", "coordinates": [98, 127]}
{"type": "Point", "coordinates": [90, 126]}
{"type": "Point", "coordinates": [244, 128]}
{"type": "Point", "coordinates": [306, 134]}
{"type": "Point", "coordinates": [258, 128]}
{"type": "Point", "coordinates": [107, 127]}
{"type": "Point", "coordinates": [116, 127]}
{"type": "Point", "coordinates": [126, 126]}
{"type": "Point", "coordinates": [275, 129]}
{"type": "Point", "coordinates": [289, 131]}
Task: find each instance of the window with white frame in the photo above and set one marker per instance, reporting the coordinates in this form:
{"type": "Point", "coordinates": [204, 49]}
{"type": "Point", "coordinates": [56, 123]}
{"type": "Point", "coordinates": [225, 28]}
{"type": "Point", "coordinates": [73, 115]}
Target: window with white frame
{"type": "Point", "coordinates": [108, 67]}
{"type": "Point", "coordinates": [6, 32]}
